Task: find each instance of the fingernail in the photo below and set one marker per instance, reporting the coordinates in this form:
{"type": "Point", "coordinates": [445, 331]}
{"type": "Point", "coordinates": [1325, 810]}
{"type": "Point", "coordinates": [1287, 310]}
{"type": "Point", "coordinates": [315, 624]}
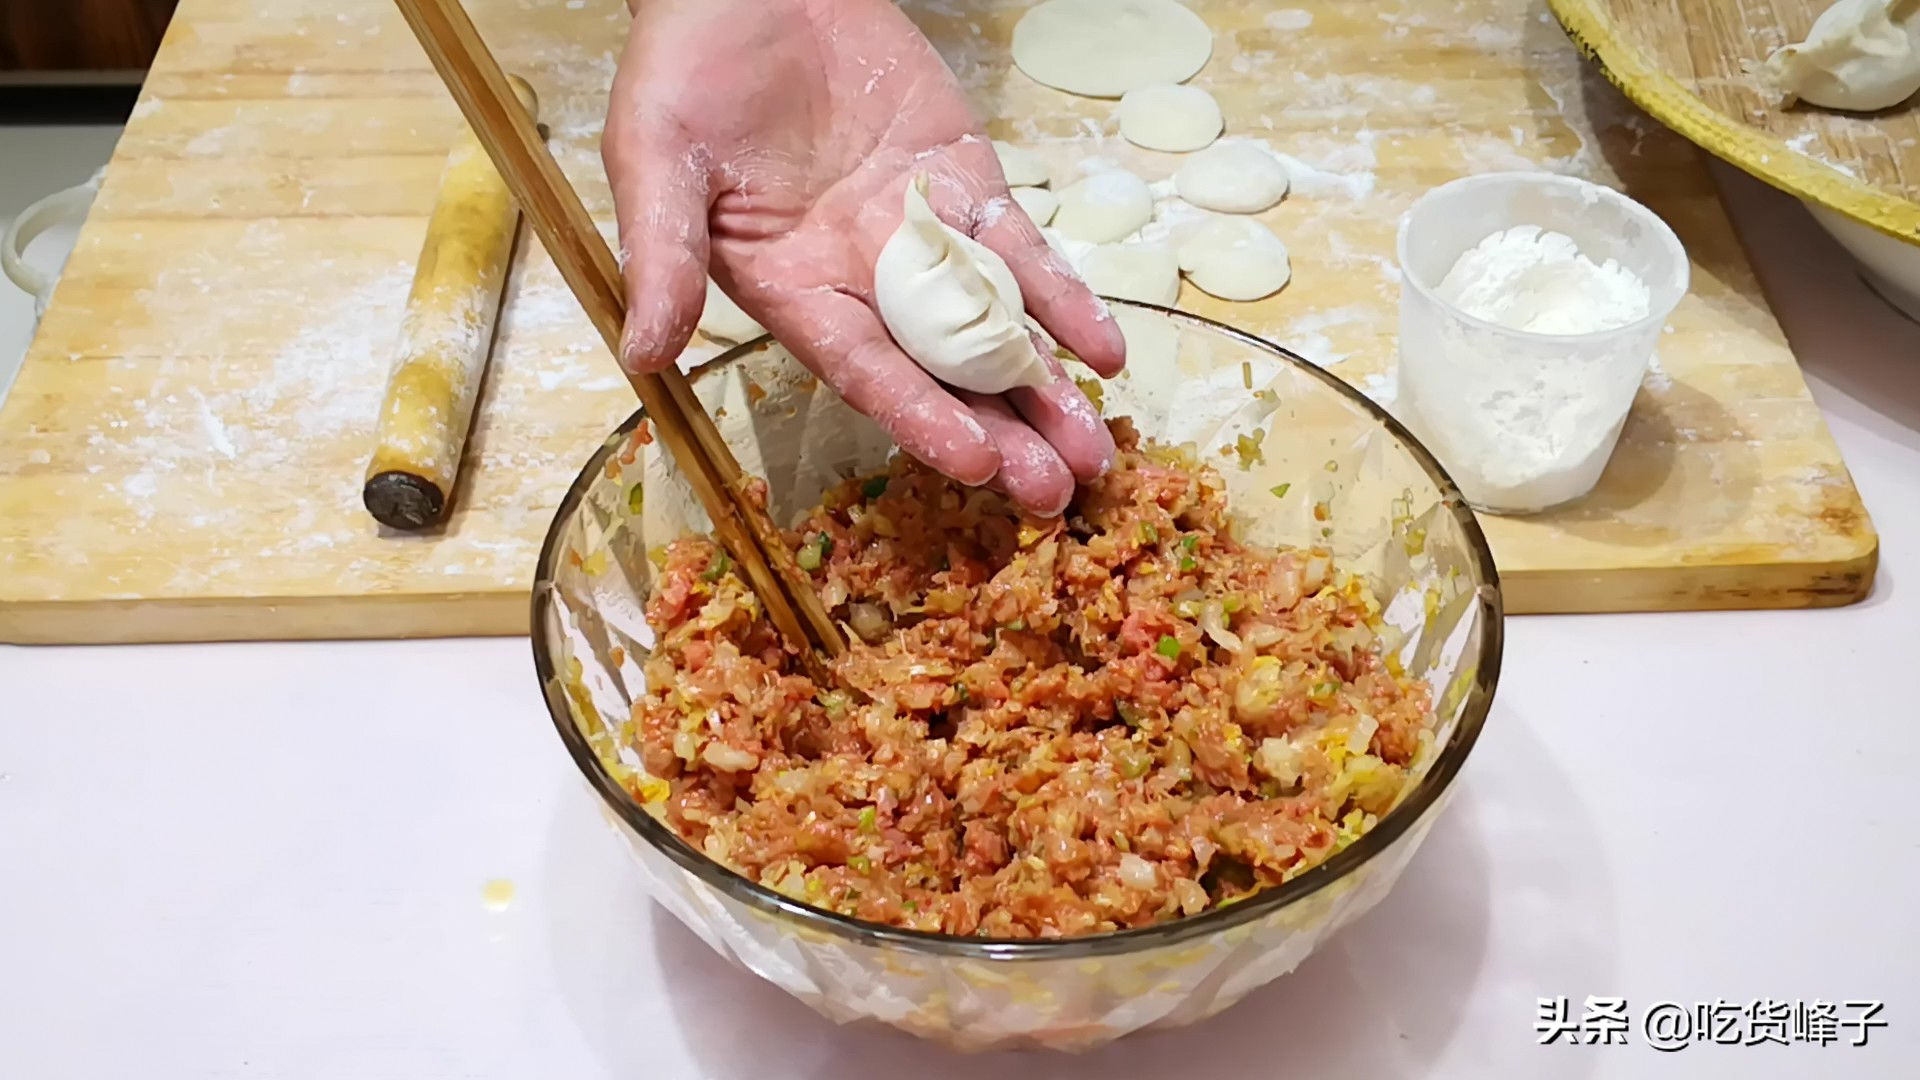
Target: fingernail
{"type": "Point", "coordinates": [631, 354]}
{"type": "Point", "coordinates": [640, 348]}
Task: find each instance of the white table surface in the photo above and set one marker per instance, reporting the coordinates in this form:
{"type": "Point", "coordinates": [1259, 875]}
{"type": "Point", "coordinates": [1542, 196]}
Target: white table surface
{"type": "Point", "coordinates": [268, 860]}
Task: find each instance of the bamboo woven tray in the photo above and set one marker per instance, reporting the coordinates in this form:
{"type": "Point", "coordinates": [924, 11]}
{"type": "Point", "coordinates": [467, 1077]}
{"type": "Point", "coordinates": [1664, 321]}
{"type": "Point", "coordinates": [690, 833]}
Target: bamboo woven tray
{"type": "Point", "coordinates": [1685, 62]}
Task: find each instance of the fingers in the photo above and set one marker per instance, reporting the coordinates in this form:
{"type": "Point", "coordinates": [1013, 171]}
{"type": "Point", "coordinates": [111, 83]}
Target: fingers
{"type": "Point", "coordinates": [1031, 473]}
{"type": "Point", "coordinates": [841, 340]}
{"type": "Point", "coordinates": [1054, 294]}
{"type": "Point", "coordinates": [1061, 415]}
{"type": "Point", "coordinates": [660, 198]}
{"type": "Point", "coordinates": [1059, 300]}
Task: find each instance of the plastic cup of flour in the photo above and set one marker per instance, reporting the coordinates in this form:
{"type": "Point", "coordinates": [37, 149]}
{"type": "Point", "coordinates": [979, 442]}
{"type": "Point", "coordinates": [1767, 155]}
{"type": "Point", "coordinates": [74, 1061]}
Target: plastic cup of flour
{"type": "Point", "coordinates": [1530, 307]}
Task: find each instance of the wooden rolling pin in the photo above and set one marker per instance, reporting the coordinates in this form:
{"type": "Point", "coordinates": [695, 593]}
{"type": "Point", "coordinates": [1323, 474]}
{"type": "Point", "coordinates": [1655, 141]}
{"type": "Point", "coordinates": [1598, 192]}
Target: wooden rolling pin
{"type": "Point", "coordinates": [445, 338]}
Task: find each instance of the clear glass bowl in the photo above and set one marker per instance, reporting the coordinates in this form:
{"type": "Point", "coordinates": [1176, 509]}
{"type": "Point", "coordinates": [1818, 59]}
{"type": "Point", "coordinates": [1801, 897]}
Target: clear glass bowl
{"type": "Point", "coordinates": [1333, 470]}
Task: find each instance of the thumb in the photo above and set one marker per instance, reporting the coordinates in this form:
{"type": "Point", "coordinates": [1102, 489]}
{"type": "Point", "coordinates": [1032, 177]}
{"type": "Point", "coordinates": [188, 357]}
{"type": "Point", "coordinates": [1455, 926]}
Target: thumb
{"type": "Point", "coordinates": [660, 199]}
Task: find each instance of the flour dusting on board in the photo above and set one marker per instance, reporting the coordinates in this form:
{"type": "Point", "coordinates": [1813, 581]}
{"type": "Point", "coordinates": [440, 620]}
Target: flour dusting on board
{"type": "Point", "coordinates": [323, 383]}
{"type": "Point", "coordinates": [573, 103]}
{"type": "Point", "coordinates": [1345, 173]}
{"type": "Point", "coordinates": [248, 427]}
{"type": "Point", "coordinates": [236, 392]}
{"type": "Point", "coordinates": [1308, 334]}
{"type": "Point", "coordinates": [1383, 387]}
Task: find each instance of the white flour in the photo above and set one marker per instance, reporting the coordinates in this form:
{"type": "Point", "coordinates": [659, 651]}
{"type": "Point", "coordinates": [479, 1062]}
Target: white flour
{"type": "Point", "coordinates": [1526, 424]}
{"type": "Point", "coordinates": [1526, 279]}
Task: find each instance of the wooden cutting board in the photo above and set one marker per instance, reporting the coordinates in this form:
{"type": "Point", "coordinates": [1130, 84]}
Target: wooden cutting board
{"type": "Point", "coordinates": [1691, 63]}
{"type": "Point", "coordinates": [181, 456]}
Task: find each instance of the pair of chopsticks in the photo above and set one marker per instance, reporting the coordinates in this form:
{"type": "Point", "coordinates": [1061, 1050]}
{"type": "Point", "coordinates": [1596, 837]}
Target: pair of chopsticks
{"type": "Point", "coordinates": [581, 253]}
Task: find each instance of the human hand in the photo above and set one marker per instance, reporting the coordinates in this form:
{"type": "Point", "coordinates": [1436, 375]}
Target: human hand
{"type": "Point", "coordinates": [769, 142]}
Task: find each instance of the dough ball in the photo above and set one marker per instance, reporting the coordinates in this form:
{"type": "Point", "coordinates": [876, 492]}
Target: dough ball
{"type": "Point", "coordinates": [1022, 166]}
{"type": "Point", "coordinates": [722, 320]}
{"type": "Point", "coordinates": [1236, 258]}
{"type": "Point", "coordinates": [1168, 117]}
{"type": "Point", "coordinates": [1104, 48]}
{"type": "Point", "coordinates": [1145, 272]}
{"type": "Point", "coordinates": [1859, 56]}
{"type": "Point", "coordinates": [1232, 178]}
{"type": "Point", "coordinates": [1074, 251]}
{"type": "Point", "coordinates": [1105, 207]}
{"type": "Point", "coordinates": [1153, 341]}
{"type": "Point", "coordinates": [1039, 203]}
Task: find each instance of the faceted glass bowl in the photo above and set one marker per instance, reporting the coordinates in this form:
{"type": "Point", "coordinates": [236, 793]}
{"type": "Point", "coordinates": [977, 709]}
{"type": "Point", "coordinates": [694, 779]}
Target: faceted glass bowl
{"type": "Point", "coordinates": [1329, 469]}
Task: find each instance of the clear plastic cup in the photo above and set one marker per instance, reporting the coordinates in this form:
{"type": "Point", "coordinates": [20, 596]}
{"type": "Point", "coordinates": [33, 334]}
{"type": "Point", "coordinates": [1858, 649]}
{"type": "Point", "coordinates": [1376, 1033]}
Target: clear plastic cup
{"type": "Point", "coordinates": [1524, 421]}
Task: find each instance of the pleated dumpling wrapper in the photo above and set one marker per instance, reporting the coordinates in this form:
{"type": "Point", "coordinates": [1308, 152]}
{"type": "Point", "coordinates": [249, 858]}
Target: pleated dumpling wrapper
{"type": "Point", "coordinates": [952, 304]}
{"type": "Point", "coordinates": [1859, 56]}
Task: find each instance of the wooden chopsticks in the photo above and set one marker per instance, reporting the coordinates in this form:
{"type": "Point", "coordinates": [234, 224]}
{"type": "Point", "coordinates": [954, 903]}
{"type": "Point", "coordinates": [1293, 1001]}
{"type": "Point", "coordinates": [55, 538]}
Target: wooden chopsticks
{"type": "Point", "coordinates": [581, 253]}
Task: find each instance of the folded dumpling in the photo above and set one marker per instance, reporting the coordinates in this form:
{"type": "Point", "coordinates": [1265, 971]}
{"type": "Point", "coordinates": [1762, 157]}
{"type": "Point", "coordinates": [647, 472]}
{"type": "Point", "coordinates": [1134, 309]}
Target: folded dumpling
{"type": "Point", "coordinates": [1860, 55]}
{"type": "Point", "coordinates": [953, 305]}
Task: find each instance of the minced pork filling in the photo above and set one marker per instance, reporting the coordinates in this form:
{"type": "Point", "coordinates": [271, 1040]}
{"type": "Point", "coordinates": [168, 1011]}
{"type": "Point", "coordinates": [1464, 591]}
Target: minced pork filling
{"type": "Point", "coordinates": [1042, 727]}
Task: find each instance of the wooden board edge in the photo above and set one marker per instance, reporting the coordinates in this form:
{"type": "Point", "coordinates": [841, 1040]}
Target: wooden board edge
{"type": "Point", "coordinates": [1731, 587]}
{"type": "Point", "coordinates": [1747, 148]}
{"type": "Point", "coordinates": [228, 619]}
{"type": "Point", "coordinates": [1619, 590]}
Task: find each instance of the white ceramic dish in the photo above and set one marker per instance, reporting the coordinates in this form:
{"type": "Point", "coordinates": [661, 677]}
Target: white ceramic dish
{"type": "Point", "coordinates": [62, 208]}
{"type": "Point", "coordinates": [1892, 266]}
